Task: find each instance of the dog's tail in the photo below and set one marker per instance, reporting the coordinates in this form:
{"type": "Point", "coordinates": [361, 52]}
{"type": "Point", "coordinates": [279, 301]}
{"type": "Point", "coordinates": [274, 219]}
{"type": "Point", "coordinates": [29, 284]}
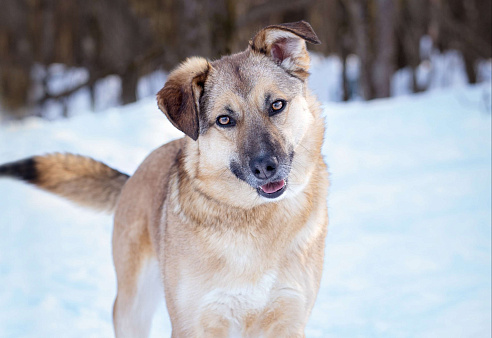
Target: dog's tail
{"type": "Point", "coordinates": [80, 179]}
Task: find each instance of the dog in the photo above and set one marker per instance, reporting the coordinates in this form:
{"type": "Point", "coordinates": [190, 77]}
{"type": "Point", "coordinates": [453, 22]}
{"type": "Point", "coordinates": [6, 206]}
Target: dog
{"type": "Point", "coordinates": [229, 221]}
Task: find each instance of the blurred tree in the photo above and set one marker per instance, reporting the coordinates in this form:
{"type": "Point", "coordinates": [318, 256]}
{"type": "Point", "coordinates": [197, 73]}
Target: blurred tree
{"type": "Point", "coordinates": [131, 38]}
{"type": "Point", "coordinates": [464, 26]}
{"type": "Point", "coordinates": [384, 47]}
{"type": "Point", "coordinates": [412, 24]}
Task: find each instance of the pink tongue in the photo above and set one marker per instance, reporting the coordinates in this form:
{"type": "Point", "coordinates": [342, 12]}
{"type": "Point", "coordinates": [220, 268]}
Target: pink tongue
{"type": "Point", "coordinates": [273, 187]}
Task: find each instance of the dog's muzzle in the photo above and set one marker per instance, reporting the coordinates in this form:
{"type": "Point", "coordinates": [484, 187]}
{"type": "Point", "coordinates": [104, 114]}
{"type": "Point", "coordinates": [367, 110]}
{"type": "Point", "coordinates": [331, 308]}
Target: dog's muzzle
{"type": "Point", "coordinates": [265, 173]}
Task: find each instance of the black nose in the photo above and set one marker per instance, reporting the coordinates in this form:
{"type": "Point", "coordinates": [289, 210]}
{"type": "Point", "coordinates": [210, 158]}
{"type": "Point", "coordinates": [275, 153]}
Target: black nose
{"type": "Point", "coordinates": [264, 167]}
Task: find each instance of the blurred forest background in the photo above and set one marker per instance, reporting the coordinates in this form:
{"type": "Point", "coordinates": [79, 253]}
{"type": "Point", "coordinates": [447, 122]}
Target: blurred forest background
{"type": "Point", "coordinates": [41, 40]}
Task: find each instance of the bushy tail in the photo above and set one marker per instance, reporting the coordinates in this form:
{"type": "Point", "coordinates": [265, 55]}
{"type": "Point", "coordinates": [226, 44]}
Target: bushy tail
{"type": "Point", "coordinates": [80, 179]}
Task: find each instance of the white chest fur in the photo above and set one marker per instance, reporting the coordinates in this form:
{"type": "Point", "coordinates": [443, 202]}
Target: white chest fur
{"type": "Point", "coordinates": [237, 300]}
{"type": "Point", "coordinates": [231, 300]}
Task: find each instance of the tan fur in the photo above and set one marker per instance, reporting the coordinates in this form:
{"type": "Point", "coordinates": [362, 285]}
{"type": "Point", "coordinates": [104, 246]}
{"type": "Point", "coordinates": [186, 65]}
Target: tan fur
{"type": "Point", "coordinates": [77, 178]}
{"type": "Point", "coordinates": [80, 179]}
{"type": "Point", "coordinates": [216, 241]}
{"type": "Point", "coordinates": [232, 263]}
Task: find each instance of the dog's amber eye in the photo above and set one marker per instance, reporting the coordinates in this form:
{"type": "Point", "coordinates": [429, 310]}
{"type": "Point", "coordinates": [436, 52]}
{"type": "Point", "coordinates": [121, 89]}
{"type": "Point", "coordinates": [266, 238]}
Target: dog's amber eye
{"type": "Point", "coordinates": [277, 107]}
{"type": "Point", "coordinates": [225, 121]}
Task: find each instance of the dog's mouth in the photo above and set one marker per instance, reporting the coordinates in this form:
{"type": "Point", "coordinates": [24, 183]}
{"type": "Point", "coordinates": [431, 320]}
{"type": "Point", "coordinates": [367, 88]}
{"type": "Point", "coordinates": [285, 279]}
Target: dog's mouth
{"type": "Point", "coordinates": [272, 189]}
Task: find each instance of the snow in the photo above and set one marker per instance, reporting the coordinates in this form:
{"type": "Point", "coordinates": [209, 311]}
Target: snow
{"type": "Point", "coordinates": [409, 244]}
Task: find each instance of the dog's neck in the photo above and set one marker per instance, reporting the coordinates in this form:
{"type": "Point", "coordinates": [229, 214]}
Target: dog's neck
{"type": "Point", "coordinates": [202, 210]}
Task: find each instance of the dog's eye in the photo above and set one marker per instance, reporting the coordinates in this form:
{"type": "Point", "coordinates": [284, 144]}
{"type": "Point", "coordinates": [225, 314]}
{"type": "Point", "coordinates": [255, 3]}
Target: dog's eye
{"type": "Point", "coordinates": [277, 107]}
{"type": "Point", "coordinates": [225, 121]}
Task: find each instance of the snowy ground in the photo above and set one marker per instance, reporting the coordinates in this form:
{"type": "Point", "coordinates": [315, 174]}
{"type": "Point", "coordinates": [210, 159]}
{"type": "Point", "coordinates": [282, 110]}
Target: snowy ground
{"type": "Point", "coordinates": [409, 243]}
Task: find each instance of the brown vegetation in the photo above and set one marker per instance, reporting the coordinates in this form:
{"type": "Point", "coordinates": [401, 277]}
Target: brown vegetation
{"type": "Point", "coordinates": [131, 38]}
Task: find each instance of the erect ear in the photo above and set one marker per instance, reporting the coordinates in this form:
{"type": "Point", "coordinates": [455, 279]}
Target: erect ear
{"type": "Point", "coordinates": [179, 99]}
{"type": "Point", "coordinates": [286, 45]}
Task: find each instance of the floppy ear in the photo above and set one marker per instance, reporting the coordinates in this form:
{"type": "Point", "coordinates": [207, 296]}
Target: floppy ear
{"type": "Point", "coordinates": [179, 99]}
{"type": "Point", "coordinates": [286, 45]}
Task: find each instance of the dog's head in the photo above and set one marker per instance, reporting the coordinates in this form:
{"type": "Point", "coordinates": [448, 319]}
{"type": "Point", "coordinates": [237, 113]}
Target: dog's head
{"type": "Point", "coordinates": [248, 114]}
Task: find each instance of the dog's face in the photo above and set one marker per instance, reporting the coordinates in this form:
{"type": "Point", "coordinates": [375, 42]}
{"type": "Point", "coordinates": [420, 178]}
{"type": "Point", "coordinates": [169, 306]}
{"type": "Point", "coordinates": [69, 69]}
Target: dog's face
{"type": "Point", "coordinates": [248, 115]}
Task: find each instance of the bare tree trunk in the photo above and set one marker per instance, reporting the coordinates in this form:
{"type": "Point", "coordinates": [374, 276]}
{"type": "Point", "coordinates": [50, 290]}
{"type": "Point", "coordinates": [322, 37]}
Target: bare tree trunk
{"type": "Point", "coordinates": [345, 83]}
{"type": "Point", "coordinates": [357, 10]}
{"type": "Point", "coordinates": [472, 17]}
{"type": "Point", "coordinates": [384, 63]}
{"type": "Point", "coordinates": [129, 82]}
{"type": "Point", "coordinates": [222, 20]}
{"type": "Point", "coordinates": [470, 66]}
{"type": "Point", "coordinates": [192, 33]}
{"type": "Point", "coordinates": [342, 40]}
{"type": "Point", "coordinates": [415, 27]}
{"type": "Point", "coordinates": [92, 93]}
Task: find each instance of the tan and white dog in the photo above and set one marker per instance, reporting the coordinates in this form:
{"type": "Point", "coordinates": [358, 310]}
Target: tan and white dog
{"type": "Point", "coordinates": [229, 221]}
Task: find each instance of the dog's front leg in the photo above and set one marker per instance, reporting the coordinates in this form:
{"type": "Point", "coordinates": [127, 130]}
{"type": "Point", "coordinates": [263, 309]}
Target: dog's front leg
{"type": "Point", "coordinates": [210, 325]}
{"type": "Point", "coordinates": [213, 325]}
{"type": "Point", "coordinates": [287, 318]}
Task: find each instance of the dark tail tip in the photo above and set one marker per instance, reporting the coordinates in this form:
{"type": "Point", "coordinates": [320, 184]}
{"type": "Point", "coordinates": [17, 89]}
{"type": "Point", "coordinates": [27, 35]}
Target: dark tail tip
{"type": "Point", "coordinates": [23, 169]}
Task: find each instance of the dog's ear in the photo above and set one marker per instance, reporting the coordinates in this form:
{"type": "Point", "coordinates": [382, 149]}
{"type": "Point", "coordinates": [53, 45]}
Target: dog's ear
{"type": "Point", "coordinates": [179, 99]}
{"type": "Point", "coordinates": [286, 45]}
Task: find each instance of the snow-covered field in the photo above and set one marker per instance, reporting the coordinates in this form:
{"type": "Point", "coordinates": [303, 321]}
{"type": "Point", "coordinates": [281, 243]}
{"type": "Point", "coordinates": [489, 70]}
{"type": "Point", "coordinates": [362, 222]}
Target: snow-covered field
{"type": "Point", "coordinates": [409, 244]}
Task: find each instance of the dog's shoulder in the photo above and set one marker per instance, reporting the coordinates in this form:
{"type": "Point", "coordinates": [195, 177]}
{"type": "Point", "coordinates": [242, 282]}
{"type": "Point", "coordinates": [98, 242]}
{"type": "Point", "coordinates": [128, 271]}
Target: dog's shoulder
{"type": "Point", "coordinates": [146, 188]}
